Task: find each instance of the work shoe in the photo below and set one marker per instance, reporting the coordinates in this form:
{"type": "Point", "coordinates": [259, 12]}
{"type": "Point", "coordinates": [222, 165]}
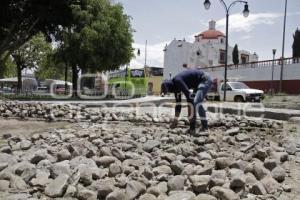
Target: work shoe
{"type": "Point", "coordinates": [203, 132]}
{"type": "Point", "coordinates": [190, 132]}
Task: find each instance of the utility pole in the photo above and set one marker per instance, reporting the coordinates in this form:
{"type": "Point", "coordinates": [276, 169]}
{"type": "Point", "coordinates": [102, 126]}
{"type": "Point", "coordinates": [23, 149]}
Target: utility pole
{"type": "Point", "coordinates": [146, 53]}
{"type": "Point", "coordinates": [283, 45]}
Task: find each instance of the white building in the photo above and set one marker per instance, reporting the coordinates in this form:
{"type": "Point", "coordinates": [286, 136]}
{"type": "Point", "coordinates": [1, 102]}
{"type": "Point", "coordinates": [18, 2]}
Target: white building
{"type": "Point", "coordinates": [207, 50]}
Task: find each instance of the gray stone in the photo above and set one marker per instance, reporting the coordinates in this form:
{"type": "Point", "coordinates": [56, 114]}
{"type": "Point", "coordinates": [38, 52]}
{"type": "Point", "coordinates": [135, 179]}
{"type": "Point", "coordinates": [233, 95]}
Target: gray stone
{"type": "Point", "coordinates": [6, 149]}
{"type": "Point", "coordinates": [233, 131]}
{"type": "Point", "coordinates": [250, 179]}
{"type": "Point", "coordinates": [258, 189]}
{"type": "Point", "coordinates": [170, 157]}
{"type": "Point", "coordinates": [60, 168]}
{"type": "Point", "coordinates": [291, 148]}
{"type": "Point", "coordinates": [135, 189]}
{"type": "Point", "coordinates": [70, 192]}
{"type": "Point", "coordinates": [63, 155]}
{"type": "Point", "coordinates": [86, 175]}
{"type": "Point", "coordinates": [224, 193]}
{"type": "Point", "coordinates": [148, 196]}
{"type": "Point", "coordinates": [150, 145]}
{"type": "Point", "coordinates": [270, 184]}
{"type": "Point", "coordinates": [118, 153]}
{"type": "Point", "coordinates": [287, 188]}
{"type": "Point", "coordinates": [57, 187]}
{"type": "Point", "coordinates": [270, 164]}
{"type": "Point", "coordinates": [4, 185]}
{"type": "Point", "coordinates": [105, 161]}
{"type": "Point", "coordinates": [176, 183]}
{"type": "Point", "coordinates": [181, 195]}
{"type": "Point", "coordinates": [115, 169]}
{"type": "Point", "coordinates": [261, 154]}
{"type": "Point", "coordinates": [239, 164]}
{"type": "Point", "coordinates": [259, 170]}
{"type": "Point", "coordinates": [204, 156]}
{"type": "Point", "coordinates": [117, 195]}
{"type": "Point", "coordinates": [223, 162]}
{"type": "Point", "coordinates": [204, 197]}
{"type": "Point", "coordinates": [200, 183]}
{"type": "Point", "coordinates": [164, 169]}
{"type": "Point", "coordinates": [238, 181]}
{"type": "Point", "coordinates": [104, 187]}
{"type": "Point", "coordinates": [177, 167]}
{"type": "Point", "coordinates": [218, 178]}
{"type": "Point", "coordinates": [278, 174]}
{"type": "Point", "coordinates": [242, 137]}
{"type": "Point", "coordinates": [25, 144]}
{"type": "Point", "coordinates": [41, 179]}
{"type": "Point", "coordinates": [3, 165]}
{"type": "Point", "coordinates": [17, 183]}
{"type": "Point", "coordinates": [159, 189]}
{"type": "Point", "coordinates": [86, 194]}
{"type": "Point", "coordinates": [38, 156]}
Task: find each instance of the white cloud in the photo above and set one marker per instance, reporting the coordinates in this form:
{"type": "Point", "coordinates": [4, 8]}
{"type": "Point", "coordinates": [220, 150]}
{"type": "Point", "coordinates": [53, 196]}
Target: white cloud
{"type": "Point", "coordinates": [238, 23]}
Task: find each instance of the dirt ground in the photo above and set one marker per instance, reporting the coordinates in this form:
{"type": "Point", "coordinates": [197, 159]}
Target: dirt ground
{"type": "Point", "coordinates": [27, 128]}
{"type": "Point", "coordinates": [285, 101]}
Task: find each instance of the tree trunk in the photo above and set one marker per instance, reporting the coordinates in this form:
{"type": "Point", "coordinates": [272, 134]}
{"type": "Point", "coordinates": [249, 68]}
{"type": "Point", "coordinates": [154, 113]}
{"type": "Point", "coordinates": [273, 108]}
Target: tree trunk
{"type": "Point", "coordinates": [66, 79]}
{"type": "Point", "coordinates": [19, 85]}
{"type": "Point", "coordinates": [2, 67]}
{"type": "Point", "coordinates": [74, 80]}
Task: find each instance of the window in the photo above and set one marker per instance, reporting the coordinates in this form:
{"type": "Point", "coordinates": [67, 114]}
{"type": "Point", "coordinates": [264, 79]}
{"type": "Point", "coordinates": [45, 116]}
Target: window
{"type": "Point", "coordinates": [136, 73]}
{"type": "Point", "coordinates": [222, 57]}
{"type": "Point", "coordinates": [222, 40]}
{"type": "Point", "coordinates": [244, 58]}
{"type": "Point", "coordinates": [227, 87]}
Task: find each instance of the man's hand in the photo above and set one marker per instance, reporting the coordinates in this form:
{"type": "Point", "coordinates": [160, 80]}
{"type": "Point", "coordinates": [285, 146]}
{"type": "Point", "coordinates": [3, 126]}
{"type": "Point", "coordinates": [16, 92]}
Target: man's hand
{"type": "Point", "coordinates": [174, 123]}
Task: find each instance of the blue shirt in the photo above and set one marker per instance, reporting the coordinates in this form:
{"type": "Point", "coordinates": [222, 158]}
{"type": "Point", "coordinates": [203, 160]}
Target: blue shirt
{"type": "Point", "coordinates": [188, 79]}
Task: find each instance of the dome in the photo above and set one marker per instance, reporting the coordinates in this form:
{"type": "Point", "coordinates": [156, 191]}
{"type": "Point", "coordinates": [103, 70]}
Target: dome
{"type": "Point", "coordinates": [211, 33]}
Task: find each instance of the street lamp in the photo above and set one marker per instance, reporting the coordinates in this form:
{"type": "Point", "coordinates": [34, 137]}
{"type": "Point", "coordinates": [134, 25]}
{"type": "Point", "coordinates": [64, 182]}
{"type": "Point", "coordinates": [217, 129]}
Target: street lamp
{"type": "Point", "coordinates": [246, 12]}
{"type": "Point", "coordinates": [272, 88]}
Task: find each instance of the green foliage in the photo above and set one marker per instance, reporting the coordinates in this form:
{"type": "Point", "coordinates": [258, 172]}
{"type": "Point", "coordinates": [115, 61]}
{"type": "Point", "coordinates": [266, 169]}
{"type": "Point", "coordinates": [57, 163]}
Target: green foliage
{"type": "Point", "coordinates": [32, 53]}
{"type": "Point", "coordinates": [101, 38]}
{"type": "Point", "coordinates": [296, 44]}
{"type": "Point", "coordinates": [20, 20]}
{"type": "Point", "coordinates": [8, 69]}
{"type": "Point", "coordinates": [235, 55]}
{"type": "Point", "coordinates": [51, 68]}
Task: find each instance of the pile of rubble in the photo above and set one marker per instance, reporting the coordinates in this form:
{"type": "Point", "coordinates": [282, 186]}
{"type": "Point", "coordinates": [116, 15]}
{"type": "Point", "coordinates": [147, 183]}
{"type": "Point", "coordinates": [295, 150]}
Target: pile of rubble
{"type": "Point", "coordinates": [133, 158]}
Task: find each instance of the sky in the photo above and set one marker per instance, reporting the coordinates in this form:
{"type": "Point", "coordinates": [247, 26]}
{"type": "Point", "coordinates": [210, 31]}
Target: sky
{"type": "Point", "coordinates": [160, 21]}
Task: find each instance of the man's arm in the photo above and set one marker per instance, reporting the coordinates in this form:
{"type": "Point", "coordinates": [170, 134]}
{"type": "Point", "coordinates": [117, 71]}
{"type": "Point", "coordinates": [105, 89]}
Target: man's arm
{"type": "Point", "coordinates": [177, 110]}
{"type": "Point", "coordinates": [180, 84]}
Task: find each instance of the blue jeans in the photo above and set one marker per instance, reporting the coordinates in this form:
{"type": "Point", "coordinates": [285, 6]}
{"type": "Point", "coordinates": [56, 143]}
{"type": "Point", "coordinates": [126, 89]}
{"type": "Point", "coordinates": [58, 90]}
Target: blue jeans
{"type": "Point", "coordinates": [199, 97]}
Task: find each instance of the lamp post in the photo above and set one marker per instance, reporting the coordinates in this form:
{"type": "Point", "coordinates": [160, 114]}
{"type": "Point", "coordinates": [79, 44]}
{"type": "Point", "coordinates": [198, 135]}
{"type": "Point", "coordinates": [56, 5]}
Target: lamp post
{"type": "Point", "coordinates": [227, 10]}
{"type": "Point", "coordinates": [272, 87]}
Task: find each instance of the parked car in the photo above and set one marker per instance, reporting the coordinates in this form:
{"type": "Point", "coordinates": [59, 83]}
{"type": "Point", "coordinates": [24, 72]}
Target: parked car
{"type": "Point", "coordinates": [235, 91]}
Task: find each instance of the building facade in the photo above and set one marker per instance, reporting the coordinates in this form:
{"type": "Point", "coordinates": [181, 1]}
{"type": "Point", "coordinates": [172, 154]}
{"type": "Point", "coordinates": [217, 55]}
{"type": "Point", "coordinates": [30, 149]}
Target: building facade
{"type": "Point", "coordinates": [207, 50]}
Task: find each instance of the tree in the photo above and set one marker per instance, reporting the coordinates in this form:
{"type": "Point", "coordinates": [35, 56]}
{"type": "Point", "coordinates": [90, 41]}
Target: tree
{"type": "Point", "coordinates": [100, 40]}
{"type": "Point", "coordinates": [30, 55]}
{"type": "Point", "coordinates": [20, 20]}
{"type": "Point", "coordinates": [296, 44]}
{"type": "Point", "coordinates": [8, 69]}
{"type": "Point", "coordinates": [235, 55]}
{"type": "Point", "coordinates": [51, 69]}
